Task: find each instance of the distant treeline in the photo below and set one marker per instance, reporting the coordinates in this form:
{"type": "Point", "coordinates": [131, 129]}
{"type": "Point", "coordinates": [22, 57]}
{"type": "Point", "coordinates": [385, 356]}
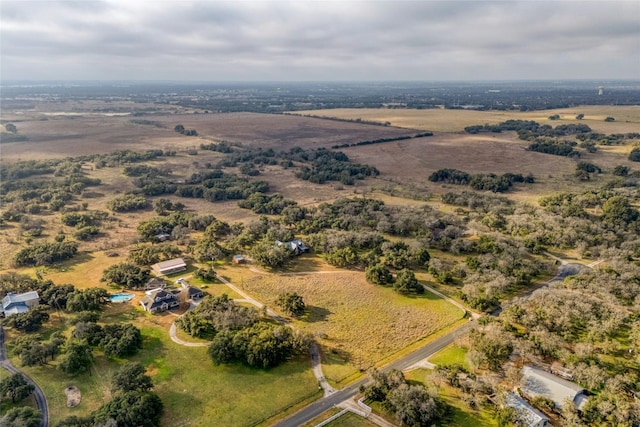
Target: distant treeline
{"type": "Point", "coordinates": [482, 182]}
{"type": "Point", "coordinates": [381, 140]}
{"type": "Point", "coordinates": [343, 119]}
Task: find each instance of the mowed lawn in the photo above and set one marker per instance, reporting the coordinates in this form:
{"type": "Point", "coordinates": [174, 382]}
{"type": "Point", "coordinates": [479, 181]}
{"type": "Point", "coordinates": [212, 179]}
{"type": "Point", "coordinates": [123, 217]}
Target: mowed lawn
{"type": "Point", "coordinates": [357, 323]}
{"type": "Point", "coordinates": [193, 390]}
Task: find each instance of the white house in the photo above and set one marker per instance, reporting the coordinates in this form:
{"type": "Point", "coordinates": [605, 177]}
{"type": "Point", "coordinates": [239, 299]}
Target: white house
{"type": "Point", "coordinates": [19, 303]}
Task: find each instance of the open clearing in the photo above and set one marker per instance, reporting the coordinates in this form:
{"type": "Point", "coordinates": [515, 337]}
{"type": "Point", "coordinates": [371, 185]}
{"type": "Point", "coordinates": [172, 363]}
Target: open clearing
{"type": "Point", "coordinates": [360, 322]}
{"type": "Point", "coordinates": [627, 117]}
{"type": "Point", "coordinates": [61, 136]}
{"type": "Point", "coordinates": [232, 395]}
{"type": "Point", "coordinates": [356, 323]}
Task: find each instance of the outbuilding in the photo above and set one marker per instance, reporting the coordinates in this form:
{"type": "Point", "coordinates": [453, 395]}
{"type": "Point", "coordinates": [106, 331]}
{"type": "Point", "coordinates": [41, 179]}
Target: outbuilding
{"type": "Point", "coordinates": [169, 267]}
{"type": "Point", "coordinates": [526, 414]}
{"type": "Point", "coordinates": [537, 382]}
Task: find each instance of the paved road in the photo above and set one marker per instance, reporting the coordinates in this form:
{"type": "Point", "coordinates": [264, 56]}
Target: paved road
{"type": "Point", "coordinates": [313, 410]}
{"type": "Point", "coordinates": [41, 400]}
{"type": "Point", "coordinates": [318, 407]}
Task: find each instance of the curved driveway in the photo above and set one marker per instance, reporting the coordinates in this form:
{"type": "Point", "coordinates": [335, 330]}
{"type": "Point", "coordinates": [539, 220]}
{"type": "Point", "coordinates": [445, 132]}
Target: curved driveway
{"type": "Point", "coordinates": [41, 400]}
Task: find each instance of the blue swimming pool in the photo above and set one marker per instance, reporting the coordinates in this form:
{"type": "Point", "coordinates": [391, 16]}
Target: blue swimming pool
{"type": "Point", "coordinates": [121, 297]}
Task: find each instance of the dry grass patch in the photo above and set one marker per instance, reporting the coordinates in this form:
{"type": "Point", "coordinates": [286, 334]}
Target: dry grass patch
{"type": "Point", "coordinates": [359, 321]}
{"type": "Point", "coordinates": [436, 120]}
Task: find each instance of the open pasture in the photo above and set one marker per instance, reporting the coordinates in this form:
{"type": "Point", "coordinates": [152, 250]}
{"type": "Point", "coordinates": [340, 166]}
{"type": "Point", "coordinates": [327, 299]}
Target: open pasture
{"type": "Point", "coordinates": [627, 118]}
{"type": "Point", "coordinates": [232, 395]}
{"type": "Point", "coordinates": [360, 321]}
{"type": "Point", "coordinates": [73, 135]}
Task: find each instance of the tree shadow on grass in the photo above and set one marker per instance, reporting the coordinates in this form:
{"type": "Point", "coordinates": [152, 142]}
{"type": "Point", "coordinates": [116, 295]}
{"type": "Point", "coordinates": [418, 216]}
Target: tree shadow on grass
{"type": "Point", "coordinates": [315, 314]}
{"type": "Point", "coordinates": [78, 259]}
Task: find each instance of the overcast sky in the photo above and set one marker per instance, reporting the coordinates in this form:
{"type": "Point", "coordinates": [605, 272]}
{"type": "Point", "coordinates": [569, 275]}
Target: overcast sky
{"type": "Point", "coordinates": [319, 40]}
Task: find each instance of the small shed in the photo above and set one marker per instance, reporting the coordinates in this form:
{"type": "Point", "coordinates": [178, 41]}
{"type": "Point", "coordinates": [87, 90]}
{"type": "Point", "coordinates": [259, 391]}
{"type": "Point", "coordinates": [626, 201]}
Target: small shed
{"type": "Point", "coordinates": [238, 259]}
{"type": "Point", "coordinates": [169, 267]}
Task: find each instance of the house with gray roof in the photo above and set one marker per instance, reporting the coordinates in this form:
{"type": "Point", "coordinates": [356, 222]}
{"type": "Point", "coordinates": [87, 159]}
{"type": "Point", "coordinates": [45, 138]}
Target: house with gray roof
{"type": "Point", "coordinates": [296, 247]}
{"type": "Point", "coordinates": [537, 382]}
{"type": "Point", "coordinates": [526, 414]}
{"type": "Point", "coordinates": [159, 300]}
{"type": "Point", "coordinates": [19, 303]}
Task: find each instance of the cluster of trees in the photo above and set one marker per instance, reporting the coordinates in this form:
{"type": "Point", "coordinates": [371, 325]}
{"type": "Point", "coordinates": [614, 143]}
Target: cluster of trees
{"type": "Point", "coordinates": [261, 203]}
{"type": "Point", "coordinates": [127, 203]}
{"type": "Point", "coordinates": [147, 254]}
{"type": "Point", "coordinates": [29, 321]}
{"type": "Point", "coordinates": [216, 186]}
{"type": "Point", "coordinates": [262, 344]}
{"type": "Point", "coordinates": [239, 335]}
{"type": "Point", "coordinates": [15, 387]}
{"type": "Point", "coordinates": [122, 157]}
{"type": "Point", "coordinates": [33, 197]}
{"type": "Point", "coordinates": [86, 223]}
{"type": "Point", "coordinates": [220, 147]}
{"type": "Point", "coordinates": [411, 404]}
{"type": "Point", "coordinates": [329, 165]}
{"type": "Point", "coordinates": [22, 416]}
{"type": "Point", "coordinates": [529, 130]}
{"type": "Point", "coordinates": [133, 402]}
{"type": "Point", "coordinates": [34, 351]}
{"type": "Point", "coordinates": [583, 169]}
{"type": "Point", "coordinates": [126, 274]}
{"type": "Point", "coordinates": [557, 148]}
{"type": "Point", "coordinates": [291, 303]}
{"type": "Point", "coordinates": [45, 253]}
{"type": "Point", "coordinates": [634, 155]}
{"type": "Point", "coordinates": [143, 170]}
{"type": "Point", "coordinates": [148, 230]}
{"type": "Point", "coordinates": [215, 314]}
{"type": "Point", "coordinates": [116, 340]}
{"type": "Point", "coordinates": [482, 182]}
{"type": "Point", "coordinates": [405, 281]}
{"type": "Point", "coordinates": [611, 139]}
{"type": "Point", "coordinates": [189, 132]}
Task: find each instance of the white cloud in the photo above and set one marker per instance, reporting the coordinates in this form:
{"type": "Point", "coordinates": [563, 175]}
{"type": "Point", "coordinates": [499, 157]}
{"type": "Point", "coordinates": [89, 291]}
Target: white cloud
{"type": "Point", "coordinates": [309, 40]}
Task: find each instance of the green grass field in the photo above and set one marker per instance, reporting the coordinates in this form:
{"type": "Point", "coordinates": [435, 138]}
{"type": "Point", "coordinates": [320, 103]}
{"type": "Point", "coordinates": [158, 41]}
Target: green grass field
{"type": "Point", "coordinates": [194, 391]}
{"type": "Point", "coordinates": [451, 355]}
{"type": "Point", "coordinates": [460, 414]}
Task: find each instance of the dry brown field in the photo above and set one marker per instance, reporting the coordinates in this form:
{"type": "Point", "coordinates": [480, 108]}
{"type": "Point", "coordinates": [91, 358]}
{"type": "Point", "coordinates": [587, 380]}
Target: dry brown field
{"type": "Point", "coordinates": [343, 309]}
{"type": "Point", "coordinates": [406, 163]}
{"type": "Point", "coordinates": [440, 120]}
{"type": "Point", "coordinates": [56, 136]}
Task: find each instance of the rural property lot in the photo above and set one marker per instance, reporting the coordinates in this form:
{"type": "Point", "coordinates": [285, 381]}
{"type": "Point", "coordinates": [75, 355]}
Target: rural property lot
{"type": "Point", "coordinates": [627, 117]}
{"type": "Point", "coordinates": [61, 136]}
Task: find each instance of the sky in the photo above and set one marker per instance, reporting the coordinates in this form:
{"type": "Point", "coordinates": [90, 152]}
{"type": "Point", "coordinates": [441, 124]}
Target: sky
{"type": "Point", "coordinates": [308, 40]}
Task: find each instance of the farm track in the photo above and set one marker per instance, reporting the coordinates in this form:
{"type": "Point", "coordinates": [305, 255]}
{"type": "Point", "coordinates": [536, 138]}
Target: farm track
{"type": "Point", "coordinates": [38, 394]}
{"type": "Point", "coordinates": [314, 350]}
